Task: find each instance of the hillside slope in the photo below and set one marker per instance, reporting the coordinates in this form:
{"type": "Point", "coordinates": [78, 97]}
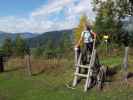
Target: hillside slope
{"type": "Point", "coordinates": [43, 38]}
{"type": "Point", "coordinates": [25, 35]}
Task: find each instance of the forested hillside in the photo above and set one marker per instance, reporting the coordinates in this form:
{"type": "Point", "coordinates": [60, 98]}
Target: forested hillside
{"type": "Point", "coordinates": [54, 36]}
{"type": "Point", "coordinates": [4, 35]}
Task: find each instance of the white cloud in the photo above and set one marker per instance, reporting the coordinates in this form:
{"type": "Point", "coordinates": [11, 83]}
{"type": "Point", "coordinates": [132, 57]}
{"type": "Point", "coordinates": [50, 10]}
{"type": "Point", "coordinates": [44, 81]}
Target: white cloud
{"type": "Point", "coordinates": [53, 6]}
{"type": "Point", "coordinates": [39, 21]}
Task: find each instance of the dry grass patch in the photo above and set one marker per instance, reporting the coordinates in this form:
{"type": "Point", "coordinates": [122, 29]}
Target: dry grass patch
{"type": "Point", "coordinates": [39, 65]}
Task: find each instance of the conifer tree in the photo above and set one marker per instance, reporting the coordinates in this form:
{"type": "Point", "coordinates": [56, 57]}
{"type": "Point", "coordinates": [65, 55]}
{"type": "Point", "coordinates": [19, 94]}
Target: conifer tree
{"type": "Point", "coordinates": [7, 46]}
{"type": "Point", "coordinates": [20, 46]}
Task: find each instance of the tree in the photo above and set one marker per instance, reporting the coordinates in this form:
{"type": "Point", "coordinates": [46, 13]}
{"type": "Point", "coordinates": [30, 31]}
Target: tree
{"type": "Point", "coordinates": [49, 49]}
{"type": "Point", "coordinates": [105, 20]}
{"type": "Point", "coordinates": [109, 17]}
{"type": "Point", "coordinates": [124, 7]}
{"type": "Point", "coordinates": [121, 8]}
{"type": "Point", "coordinates": [37, 52]}
{"type": "Point", "coordinates": [124, 10]}
{"type": "Point", "coordinates": [78, 30]}
{"type": "Point", "coordinates": [65, 43]}
{"type": "Point", "coordinates": [7, 46]}
{"type": "Point", "coordinates": [20, 46]}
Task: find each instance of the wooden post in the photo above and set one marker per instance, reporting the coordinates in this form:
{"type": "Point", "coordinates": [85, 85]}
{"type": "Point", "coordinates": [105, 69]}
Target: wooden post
{"type": "Point", "coordinates": [106, 43]}
{"type": "Point", "coordinates": [1, 64]}
{"type": "Point", "coordinates": [92, 61]}
{"type": "Point", "coordinates": [125, 62]}
{"type": "Point", "coordinates": [76, 55]}
{"type": "Point", "coordinates": [28, 63]}
{"type": "Point", "coordinates": [77, 62]}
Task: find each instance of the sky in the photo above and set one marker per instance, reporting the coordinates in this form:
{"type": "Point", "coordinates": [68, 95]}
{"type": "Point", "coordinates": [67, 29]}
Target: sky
{"type": "Point", "coordinates": [39, 16]}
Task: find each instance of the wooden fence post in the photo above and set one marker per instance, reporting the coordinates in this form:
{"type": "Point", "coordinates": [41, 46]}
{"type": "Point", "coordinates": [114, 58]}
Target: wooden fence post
{"type": "Point", "coordinates": [28, 64]}
{"type": "Point", "coordinates": [125, 62]}
{"type": "Point", "coordinates": [1, 64]}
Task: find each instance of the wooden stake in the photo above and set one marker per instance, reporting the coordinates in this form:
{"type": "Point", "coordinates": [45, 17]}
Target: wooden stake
{"type": "Point", "coordinates": [28, 63]}
{"type": "Point", "coordinates": [125, 62]}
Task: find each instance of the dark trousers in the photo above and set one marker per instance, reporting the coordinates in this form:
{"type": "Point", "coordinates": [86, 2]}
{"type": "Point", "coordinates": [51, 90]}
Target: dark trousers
{"type": "Point", "coordinates": [87, 50]}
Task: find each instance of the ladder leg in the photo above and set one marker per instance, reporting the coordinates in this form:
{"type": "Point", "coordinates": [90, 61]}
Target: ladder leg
{"type": "Point", "coordinates": [87, 83]}
{"type": "Point", "coordinates": [77, 71]}
{"type": "Point", "coordinates": [75, 77]}
{"type": "Point", "coordinates": [89, 79]}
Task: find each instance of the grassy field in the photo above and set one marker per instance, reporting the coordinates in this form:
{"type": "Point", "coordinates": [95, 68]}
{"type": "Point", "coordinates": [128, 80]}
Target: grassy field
{"type": "Point", "coordinates": [49, 82]}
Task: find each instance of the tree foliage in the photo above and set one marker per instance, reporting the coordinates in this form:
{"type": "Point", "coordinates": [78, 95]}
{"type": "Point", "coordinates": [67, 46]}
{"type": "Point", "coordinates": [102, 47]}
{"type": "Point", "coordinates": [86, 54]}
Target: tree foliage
{"type": "Point", "coordinates": [65, 43]}
{"type": "Point", "coordinates": [7, 47]}
{"type": "Point", "coordinates": [51, 49]}
{"type": "Point", "coordinates": [105, 20]}
{"type": "Point", "coordinates": [20, 47]}
{"type": "Point", "coordinates": [109, 17]}
{"type": "Point", "coordinates": [78, 30]}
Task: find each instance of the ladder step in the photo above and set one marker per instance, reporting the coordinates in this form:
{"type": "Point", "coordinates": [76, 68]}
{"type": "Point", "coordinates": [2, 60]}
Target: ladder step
{"type": "Point", "coordinates": [84, 66]}
{"type": "Point", "coordinates": [82, 75]}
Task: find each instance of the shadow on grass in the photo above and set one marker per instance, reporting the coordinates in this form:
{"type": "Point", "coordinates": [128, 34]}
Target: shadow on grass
{"type": "Point", "coordinates": [14, 69]}
{"type": "Point", "coordinates": [111, 72]}
{"type": "Point", "coordinates": [39, 73]}
{"type": "Point", "coordinates": [130, 75]}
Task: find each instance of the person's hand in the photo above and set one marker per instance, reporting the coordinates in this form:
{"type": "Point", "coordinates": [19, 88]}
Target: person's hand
{"type": "Point", "coordinates": [76, 46]}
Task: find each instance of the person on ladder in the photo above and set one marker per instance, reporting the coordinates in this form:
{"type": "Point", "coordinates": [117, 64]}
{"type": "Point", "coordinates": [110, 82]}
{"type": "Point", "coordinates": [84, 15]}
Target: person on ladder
{"type": "Point", "coordinates": [95, 74]}
{"type": "Point", "coordinates": [87, 37]}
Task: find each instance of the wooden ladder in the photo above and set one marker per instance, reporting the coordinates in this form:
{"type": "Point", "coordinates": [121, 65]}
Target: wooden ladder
{"type": "Point", "coordinates": [88, 67]}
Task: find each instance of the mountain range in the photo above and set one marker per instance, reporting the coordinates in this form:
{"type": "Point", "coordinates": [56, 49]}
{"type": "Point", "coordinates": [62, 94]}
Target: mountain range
{"type": "Point", "coordinates": [34, 39]}
{"type": "Point", "coordinates": [54, 36]}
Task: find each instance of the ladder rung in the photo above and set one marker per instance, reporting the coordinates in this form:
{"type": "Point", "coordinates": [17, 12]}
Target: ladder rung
{"type": "Point", "coordinates": [82, 75]}
{"type": "Point", "coordinates": [84, 66]}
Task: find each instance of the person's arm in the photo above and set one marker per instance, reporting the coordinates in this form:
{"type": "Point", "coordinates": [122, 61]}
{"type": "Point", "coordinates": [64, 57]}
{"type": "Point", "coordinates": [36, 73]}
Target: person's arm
{"type": "Point", "coordinates": [79, 42]}
{"type": "Point", "coordinates": [94, 34]}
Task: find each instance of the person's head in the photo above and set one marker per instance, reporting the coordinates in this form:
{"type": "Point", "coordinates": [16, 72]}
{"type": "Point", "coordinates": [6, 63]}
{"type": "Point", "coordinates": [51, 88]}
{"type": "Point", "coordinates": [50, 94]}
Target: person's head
{"type": "Point", "coordinates": [86, 27]}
